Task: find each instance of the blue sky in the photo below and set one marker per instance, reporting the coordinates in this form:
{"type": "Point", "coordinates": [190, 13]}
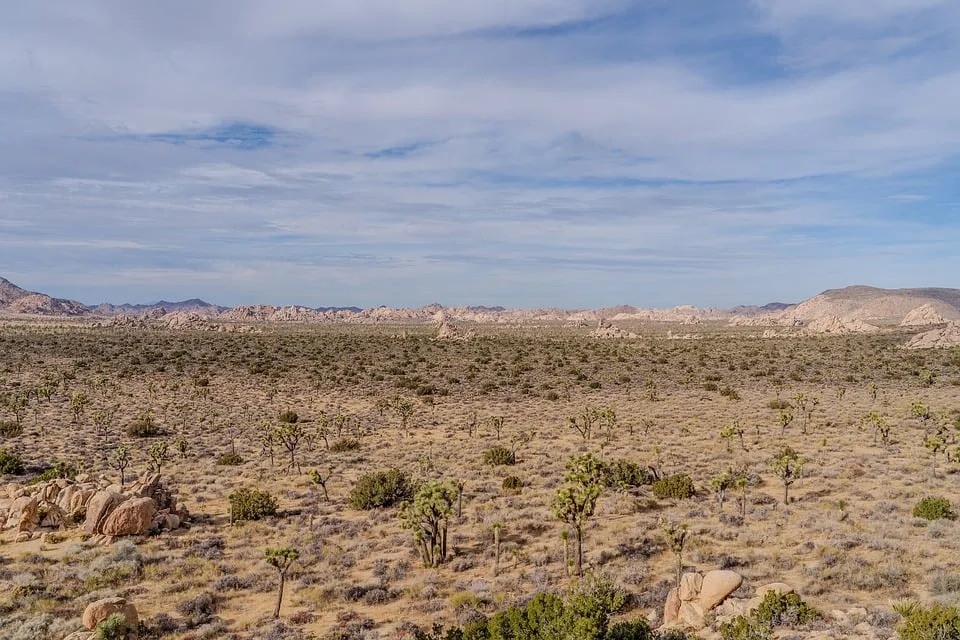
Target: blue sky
{"type": "Point", "coordinates": [574, 153]}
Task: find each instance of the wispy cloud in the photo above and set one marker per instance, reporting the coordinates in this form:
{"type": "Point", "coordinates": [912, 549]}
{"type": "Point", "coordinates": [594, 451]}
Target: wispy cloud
{"type": "Point", "coordinates": [527, 152]}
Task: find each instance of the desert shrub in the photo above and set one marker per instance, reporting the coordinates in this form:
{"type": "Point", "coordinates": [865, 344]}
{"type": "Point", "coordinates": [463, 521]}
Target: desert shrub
{"type": "Point", "coordinates": [783, 609]}
{"type": "Point", "coordinates": [381, 489]}
{"type": "Point", "coordinates": [934, 508]}
{"type": "Point", "coordinates": [625, 474]}
{"type": "Point", "coordinates": [230, 459]}
{"type": "Point", "coordinates": [289, 417]}
{"type": "Point", "coordinates": [10, 463]}
{"type": "Point", "coordinates": [779, 405]}
{"type": "Point", "coordinates": [677, 487]}
{"type": "Point", "coordinates": [114, 628]}
{"type": "Point", "coordinates": [10, 429]}
{"type": "Point", "coordinates": [345, 444]}
{"type": "Point", "coordinates": [144, 427]}
{"type": "Point", "coordinates": [497, 456]}
{"type": "Point", "coordinates": [512, 484]}
{"type": "Point", "coordinates": [198, 610]}
{"type": "Point", "coordinates": [730, 392]}
{"type": "Point", "coordinates": [251, 504]}
{"type": "Point", "coordinates": [634, 630]}
{"type": "Point", "coordinates": [921, 623]}
{"type": "Point", "coordinates": [59, 470]}
{"type": "Point", "coordinates": [743, 628]}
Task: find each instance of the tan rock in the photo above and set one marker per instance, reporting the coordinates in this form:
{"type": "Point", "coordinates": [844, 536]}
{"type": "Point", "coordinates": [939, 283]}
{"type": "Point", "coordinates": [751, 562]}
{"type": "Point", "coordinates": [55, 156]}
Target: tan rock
{"type": "Point", "coordinates": [131, 518]}
{"type": "Point", "coordinates": [671, 608]}
{"type": "Point", "coordinates": [171, 522]}
{"type": "Point", "coordinates": [54, 517]}
{"type": "Point", "coordinates": [24, 513]}
{"type": "Point", "coordinates": [717, 585]}
{"type": "Point", "coordinates": [690, 584]}
{"type": "Point", "coordinates": [779, 587]}
{"type": "Point", "coordinates": [14, 490]}
{"type": "Point", "coordinates": [692, 615]}
{"type": "Point", "coordinates": [99, 508]}
{"type": "Point", "coordinates": [65, 495]}
{"type": "Point", "coordinates": [98, 611]}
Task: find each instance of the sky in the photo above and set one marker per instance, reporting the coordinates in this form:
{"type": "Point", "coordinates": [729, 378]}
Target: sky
{"type": "Point", "coordinates": [525, 153]}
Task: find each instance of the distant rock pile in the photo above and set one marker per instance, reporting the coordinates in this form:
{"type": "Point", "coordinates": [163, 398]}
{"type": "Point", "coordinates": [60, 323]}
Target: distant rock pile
{"type": "Point", "coordinates": [942, 338]}
{"type": "Point", "coordinates": [605, 330]}
{"type": "Point", "coordinates": [105, 510]}
{"type": "Point", "coordinates": [175, 321]}
{"type": "Point", "coordinates": [923, 316]}
{"type": "Point", "coordinates": [838, 326]}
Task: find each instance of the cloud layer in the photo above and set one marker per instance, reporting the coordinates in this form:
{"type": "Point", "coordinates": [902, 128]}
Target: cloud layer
{"type": "Point", "coordinates": [531, 152]}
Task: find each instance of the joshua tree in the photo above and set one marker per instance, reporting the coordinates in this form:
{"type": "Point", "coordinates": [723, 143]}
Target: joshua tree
{"type": "Point", "coordinates": [78, 406]}
{"type": "Point", "coordinates": [181, 448]}
{"type": "Point", "coordinates": [576, 502]}
{"type": "Point", "coordinates": [935, 443]}
{"type": "Point", "coordinates": [158, 455]}
{"type": "Point", "coordinates": [676, 535]}
{"type": "Point", "coordinates": [608, 421]}
{"type": "Point", "coordinates": [497, 531]}
{"type": "Point", "coordinates": [731, 432]}
{"type": "Point", "coordinates": [806, 405]}
{"type": "Point", "coordinates": [473, 423]}
{"type": "Point", "coordinates": [496, 424]}
{"type": "Point", "coordinates": [404, 409]}
{"type": "Point", "coordinates": [585, 422]}
{"type": "Point", "coordinates": [565, 537]}
{"type": "Point", "coordinates": [721, 484]}
{"type": "Point", "coordinates": [319, 480]}
{"type": "Point", "coordinates": [289, 435]}
{"type": "Point", "coordinates": [785, 418]}
{"type": "Point", "coordinates": [742, 483]}
{"type": "Point", "coordinates": [121, 459]}
{"type": "Point", "coordinates": [428, 516]}
{"type": "Point", "coordinates": [788, 466]}
{"type": "Point", "coordinates": [880, 426]}
{"type": "Point", "coordinates": [281, 560]}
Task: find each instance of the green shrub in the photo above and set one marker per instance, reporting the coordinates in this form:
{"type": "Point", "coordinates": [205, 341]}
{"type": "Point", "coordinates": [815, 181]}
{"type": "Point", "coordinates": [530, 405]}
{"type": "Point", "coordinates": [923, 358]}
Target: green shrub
{"type": "Point", "coordinates": [345, 444]}
{"type": "Point", "coordinates": [251, 504]}
{"type": "Point", "coordinates": [381, 489]}
{"type": "Point", "coordinates": [230, 459]}
{"type": "Point", "coordinates": [497, 456]}
{"type": "Point", "coordinates": [743, 628]}
{"type": "Point", "coordinates": [144, 427]}
{"type": "Point", "coordinates": [512, 484]}
{"type": "Point", "coordinates": [59, 470]}
{"type": "Point", "coordinates": [677, 487]}
{"type": "Point", "coordinates": [114, 628]}
{"type": "Point", "coordinates": [934, 508]}
{"type": "Point", "coordinates": [783, 609]}
{"type": "Point", "coordinates": [10, 429]}
{"type": "Point", "coordinates": [634, 630]}
{"type": "Point", "coordinates": [10, 463]}
{"type": "Point", "coordinates": [624, 474]}
{"type": "Point", "coordinates": [922, 623]}
{"type": "Point", "coordinates": [289, 417]}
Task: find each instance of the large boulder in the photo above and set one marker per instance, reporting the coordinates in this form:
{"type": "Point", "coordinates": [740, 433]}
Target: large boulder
{"type": "Point", "coordinates": [692, 615]}
{"type": "Point", "coordinates": [717, 586]}
{"type": "Point", "coordinates": [99, 508]}
{"type": "Point", "coordinates": [24, 513]}
{"type": "Point", "coordinates": [671, 608]}
{"type": "Point", "coordinates": [98, 611]}
{"type": "Point", "coordinates": [131, 518]}
{"type": "Point", "coordinates": [690, 584]}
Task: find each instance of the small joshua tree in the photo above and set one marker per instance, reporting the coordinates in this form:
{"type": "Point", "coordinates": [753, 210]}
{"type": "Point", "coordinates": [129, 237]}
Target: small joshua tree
{"type": "Point", "coordinates": [121, 459]}
{"type": "Point", "coordinates": [181, 448]}
{"type": "Point", "coordinates": [428, 516]}
{"type": "Point", "coordinates": [676, 535]}
{"type": "Point", "coordinates": [880, 426]}
{"type": "Point", "coordinates": [608, 421]}
{"type": "Point", "coordinates": [404, 409]}
{"type": "Point", "coordinates": [496, 424]}
{"type": "Point", "coordinates": [576, 502]}
{"type": "Point", "coordinates": [158, 455]}
{"type": "Point", "coordinates": [584, 422]}
{"type": "Point", "coordinates": [785, 418]}
{"type": "Point", "coordinates": [788, 466]}
{"type": "Point", "coordinates": [78, 406]}
{"type": "Point", "coordinates": [319, 479]}
{"type": "Point", "coordinates": [935, 443]}
{"type": "Point", "coordinates": [290, 435]}
{"type": "Point", "coordinates": [281, 560]}
{"type": "Point", "coordinates": [721, 484]}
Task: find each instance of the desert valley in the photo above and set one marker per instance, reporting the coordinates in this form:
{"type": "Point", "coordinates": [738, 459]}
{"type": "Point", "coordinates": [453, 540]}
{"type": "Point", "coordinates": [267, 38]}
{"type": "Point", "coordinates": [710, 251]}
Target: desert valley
{"type": "Point", "coordinates": [189, 471]}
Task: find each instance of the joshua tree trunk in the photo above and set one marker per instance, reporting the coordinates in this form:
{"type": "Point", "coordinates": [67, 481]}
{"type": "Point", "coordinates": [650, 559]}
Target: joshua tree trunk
{"type": "Point", "coordinates": [679, 568]}
{"type": "Point", "coordinates": [578, 552]}
{"type": "Point", "coordinates": [786, 493]}
{"type": "Point", "coordinates": [496, 548]}
{"type": "Point", "coordinates": [276, 610]}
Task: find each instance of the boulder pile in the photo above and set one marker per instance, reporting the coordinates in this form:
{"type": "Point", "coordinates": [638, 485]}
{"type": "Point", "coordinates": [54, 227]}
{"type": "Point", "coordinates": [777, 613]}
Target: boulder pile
{"type": "Point", "coordinates": [100, 508]}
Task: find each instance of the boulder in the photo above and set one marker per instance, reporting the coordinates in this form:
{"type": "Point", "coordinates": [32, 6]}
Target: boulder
{"type": "Point", "coordinates": [779, 587]}
{"type": "Point", "coordinates": [690, 584]}
{"type": "Point", "coordinates": [54, 517]}
{"type": "Point", "coordinates": [692, 615]}
{"type": "Point", "coordinates": [717, 586]}
{"type": "Point", "coordinates": [66, 494]}
{"type": "Point", "coordinates": [24, 513]}
{"type": "Point", "coordinates": [98, 611]}
{"type": "Point", "coordinates": [131, 518]}
{"type": "Point", "coordinates": [671, 608]}
{"type": "Point", "coordinates": [99, 508]}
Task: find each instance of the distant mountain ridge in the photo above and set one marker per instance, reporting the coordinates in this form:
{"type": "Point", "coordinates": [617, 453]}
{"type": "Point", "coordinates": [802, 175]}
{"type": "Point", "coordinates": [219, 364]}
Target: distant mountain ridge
{"type": "Point", "coordinates": [856, 308]}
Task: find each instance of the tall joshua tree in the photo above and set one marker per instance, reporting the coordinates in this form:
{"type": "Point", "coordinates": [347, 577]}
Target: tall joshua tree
{"type": "Point", "coordinates": [576, 501]}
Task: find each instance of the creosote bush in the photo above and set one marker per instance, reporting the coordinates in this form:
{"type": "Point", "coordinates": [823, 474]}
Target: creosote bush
{"type": "Point", "coordinates": [10, 429]}
{"type": "Point", "coordinates": [230, 459]}
{"type": "Point", "coordinates": [784, 609]}
{"type": "Point", "coordinates": [251, 504]}
{"type": "Point", "coordinates": [381, 489]}
{"type": "Point", "coordinates": [624, 474]}
{"type": "Point", "coordinates": [497, 456]}
{"type": "Point", "coordinates": [676, 487]}
{"type": "Point", "coordinates": [145, 427]}
{"type": "Point", "coordinates": [934, 508]}
{"type": "Point", "coordinates": [59, 470]}
{"type": "Point", "coordinates": [923, 623]}
{"type": "Point", "coordinates": [10, 463]}
{"type": "Point", "coordinates": [512, 484]}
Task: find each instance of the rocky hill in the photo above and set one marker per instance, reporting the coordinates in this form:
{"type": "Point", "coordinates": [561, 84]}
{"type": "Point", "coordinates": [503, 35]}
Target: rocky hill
{"type": "Point", "coordinates": [13, 299]}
